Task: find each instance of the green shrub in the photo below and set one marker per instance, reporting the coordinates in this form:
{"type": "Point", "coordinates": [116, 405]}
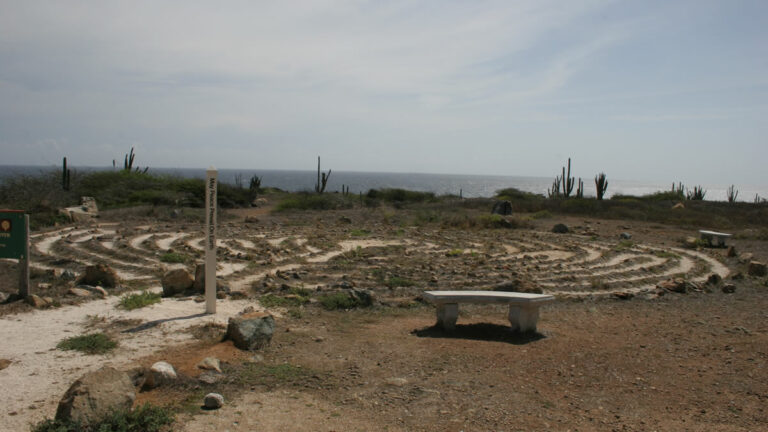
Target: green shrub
{"type": "Point", "coordinates": [359, 233]}
{"type": "Point", "coordinates": [338, 301]}
{"type": "Point", "coordinates": [145, 418]}
{"type": "Point", "coordinates": [173, 257]}
{"type": "Point", "coordinates": [513, 194]}
{"type": "Point", "coordinates": [311, 201]}
{"type": "Point", "coordinates": [541, 214]}
{"type": "Point", "coordinates": [139, 300]}
{"type": "Point", "coordinates": [396, 281]}
{"type": "Point", "coordinates": [94, 343]}
{"type": "Point", "coordinates": [400, 195]}
{"type": "Point", "coordinates": [454, 253]}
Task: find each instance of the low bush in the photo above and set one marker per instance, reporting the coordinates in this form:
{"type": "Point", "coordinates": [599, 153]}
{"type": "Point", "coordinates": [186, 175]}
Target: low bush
{"type": "Point", "coordinates": [173, 257]}
{"type": "Point", "coordinates": [311, 201]}
{"type": "Point", "coordinates": [94, 343]}
{"type": "Point", "coordinates": [400, 195]}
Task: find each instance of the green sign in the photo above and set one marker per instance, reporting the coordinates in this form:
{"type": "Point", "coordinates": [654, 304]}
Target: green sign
{"type": "Point", "coordinates": [13, 234]}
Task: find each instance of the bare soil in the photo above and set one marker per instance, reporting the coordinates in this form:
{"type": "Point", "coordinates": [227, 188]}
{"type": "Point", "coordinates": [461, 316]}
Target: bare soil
{"type": "Point", "coordinates": [613, 353]}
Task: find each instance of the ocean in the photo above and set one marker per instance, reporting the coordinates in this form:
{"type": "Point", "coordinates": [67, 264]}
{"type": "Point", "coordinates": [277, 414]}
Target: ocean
{"type": "Point", "coordinates": [469, 186]}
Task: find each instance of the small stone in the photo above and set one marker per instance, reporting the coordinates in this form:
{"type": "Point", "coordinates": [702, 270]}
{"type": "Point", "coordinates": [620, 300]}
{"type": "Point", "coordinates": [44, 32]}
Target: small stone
{"type": "Point", "coordinates": [729, 288]}
{"type": "Point", "coordinates": [756, 268]}
{"type": "Point", "coordinates": [625, 236]}
{"type": "Point", "coordinates": [731, 252]}
{"type": "Point", "coordinates": [396, 382]}
{"type": "Point", "coordinates": [746, 257]}
{"type": "Point", "coordinates": [211, 377]}
{"type": "Point", "coordinates": [210, 363]}
{"type": "Point", "coordinates": [221, 295]}
{"type": "Point", "coordinates": [36, 301]}
{"type": "Point", "coordinates": [78, 292]}
{"type": "Point", "coordinates": [213, 401]}
{"type": "Point", "coordinates": [714, 279]}
{"type": "Point", "coordinates": [4, 363]}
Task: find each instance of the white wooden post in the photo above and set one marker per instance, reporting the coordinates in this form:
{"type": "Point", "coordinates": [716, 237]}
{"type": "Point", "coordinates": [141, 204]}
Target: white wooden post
{"type": "Point", "coordinates": [210, 240]}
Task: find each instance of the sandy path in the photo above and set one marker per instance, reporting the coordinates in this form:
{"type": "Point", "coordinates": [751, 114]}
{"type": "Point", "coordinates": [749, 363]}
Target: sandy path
{"type": "Point", "coordinates": [40, 373]}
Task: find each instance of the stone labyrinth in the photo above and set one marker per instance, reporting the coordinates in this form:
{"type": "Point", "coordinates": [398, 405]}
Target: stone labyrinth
{"type": "Point", "coordinates": [390, 261]}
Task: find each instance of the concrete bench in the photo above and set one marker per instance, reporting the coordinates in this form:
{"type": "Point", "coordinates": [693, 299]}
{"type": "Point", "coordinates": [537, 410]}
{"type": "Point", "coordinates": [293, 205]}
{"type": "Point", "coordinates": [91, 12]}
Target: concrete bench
{"type": "Point", "coordinates": [710, 236]}
{"type": "Point", "coordinates": [523, 307]}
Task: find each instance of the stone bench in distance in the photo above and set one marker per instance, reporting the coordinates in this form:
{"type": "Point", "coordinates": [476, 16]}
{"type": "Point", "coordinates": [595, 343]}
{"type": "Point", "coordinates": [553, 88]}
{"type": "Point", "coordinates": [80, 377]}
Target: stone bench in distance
{"type": "Point", "coordinates": [523, 307]}
{"type": "Point", "coordinates": [711, 236]}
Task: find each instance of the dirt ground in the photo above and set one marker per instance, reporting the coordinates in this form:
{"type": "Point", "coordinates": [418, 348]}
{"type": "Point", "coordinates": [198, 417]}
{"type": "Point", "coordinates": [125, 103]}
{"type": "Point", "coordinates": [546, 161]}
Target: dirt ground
{"type": "Point", "coordinates": [614, 352]}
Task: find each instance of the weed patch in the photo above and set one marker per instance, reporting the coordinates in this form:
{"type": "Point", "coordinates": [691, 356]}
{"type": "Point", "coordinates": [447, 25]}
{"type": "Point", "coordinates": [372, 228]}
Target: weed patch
{"type": "Point", "coordinates": [94, 343]}
{"type": "Point", "coordinates": [140, 300]}
{"type": "Point", "coordinates": [145, 418]}
{"type": "Point", "coordinates": [338, 301]}
{"type": "Point", "coordinates": [293, 300]}
{"type": "Point", "coordinates": [173, 257]}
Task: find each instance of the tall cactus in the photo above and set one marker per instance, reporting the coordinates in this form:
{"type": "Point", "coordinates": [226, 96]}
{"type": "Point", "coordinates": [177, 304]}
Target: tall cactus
{"type": "Point", "coordinates": [567, 181]}
{"type": "Point", "coordinates": [580, 189]}
{"type": "Point", "coordinates": [601, 184]}
{"type": "Point", "coordinates": [65, 175]}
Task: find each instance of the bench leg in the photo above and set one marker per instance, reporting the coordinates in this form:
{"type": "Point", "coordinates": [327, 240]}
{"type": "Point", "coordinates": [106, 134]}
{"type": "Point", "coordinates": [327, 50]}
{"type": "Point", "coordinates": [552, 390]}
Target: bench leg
{"type": "Point", "coordinates": [447, 314]}
{"type": "Point", "coordinates": [523, 318]}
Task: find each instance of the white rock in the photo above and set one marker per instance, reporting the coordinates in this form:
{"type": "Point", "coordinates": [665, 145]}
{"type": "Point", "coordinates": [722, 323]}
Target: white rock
{"type": "Point", "coordinates": [213, 401]}
{"type": "Point", "coordinates": [160, 373]}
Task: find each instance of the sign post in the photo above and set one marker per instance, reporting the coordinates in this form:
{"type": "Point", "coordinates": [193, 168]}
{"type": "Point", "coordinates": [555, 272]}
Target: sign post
{"type": "Point", "coordinates": [14, 243]}
{"type": "Point", "coordinates": [210, 240]}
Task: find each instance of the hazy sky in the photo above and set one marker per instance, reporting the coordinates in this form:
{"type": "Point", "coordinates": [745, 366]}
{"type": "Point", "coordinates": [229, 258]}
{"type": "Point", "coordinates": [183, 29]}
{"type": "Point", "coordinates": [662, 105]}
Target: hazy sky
{"type": "Point", "coordinates": [645, 90]}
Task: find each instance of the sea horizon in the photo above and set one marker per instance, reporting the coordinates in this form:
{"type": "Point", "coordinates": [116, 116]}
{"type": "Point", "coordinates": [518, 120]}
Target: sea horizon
{"type": "Point", "coordinates": [466, 185]}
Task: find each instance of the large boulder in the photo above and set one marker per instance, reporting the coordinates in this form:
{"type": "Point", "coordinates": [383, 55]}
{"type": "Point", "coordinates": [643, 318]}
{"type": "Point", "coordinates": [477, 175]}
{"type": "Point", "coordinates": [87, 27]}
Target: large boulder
{"type": "Point", "coordinates": [251, 331]}
{"type": "Point", "coordinates": [101, 275]}
{"type": "Point", "coordinates": [503, 208]}
{"type": "Point", "coordinates": [176, 282]}
{"type": "Point", "coordinates": [95, 395]}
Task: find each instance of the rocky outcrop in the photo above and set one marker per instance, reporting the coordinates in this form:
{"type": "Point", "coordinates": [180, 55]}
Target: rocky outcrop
{"type": "Point", "coordinates": [86, 211]}
{"type": "Point", "coordinates": [96, 395]}
{"type": "Point", "coordinates": [251, 331]}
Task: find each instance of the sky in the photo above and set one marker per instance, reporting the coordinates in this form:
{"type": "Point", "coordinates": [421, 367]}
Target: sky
{"type": "Point", "coordinates": [641, 90]}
